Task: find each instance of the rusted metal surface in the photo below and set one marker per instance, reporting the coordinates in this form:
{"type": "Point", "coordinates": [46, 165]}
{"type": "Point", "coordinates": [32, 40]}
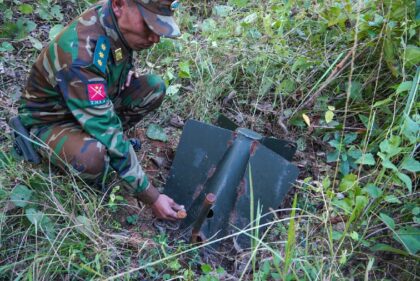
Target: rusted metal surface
{"type": "Point", "coordinates": [215, 162]}
{"type": "Point", "coordinates": [196, 234]}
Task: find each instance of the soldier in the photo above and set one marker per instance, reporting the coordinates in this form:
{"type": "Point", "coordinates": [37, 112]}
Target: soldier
{"type": "Point", "coordinates": [81, 93]}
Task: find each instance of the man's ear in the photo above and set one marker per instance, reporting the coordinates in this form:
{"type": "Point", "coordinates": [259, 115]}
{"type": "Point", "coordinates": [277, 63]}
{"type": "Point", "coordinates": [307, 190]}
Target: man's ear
{"type": "Point", "coordinates": [118, 6]}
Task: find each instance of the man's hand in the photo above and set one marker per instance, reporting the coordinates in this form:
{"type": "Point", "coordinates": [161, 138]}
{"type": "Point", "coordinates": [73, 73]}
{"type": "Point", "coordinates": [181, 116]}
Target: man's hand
{"type": "Point", "coordinates": [130, 75]}
{"type": "Point", "coordinates": [166, 208]}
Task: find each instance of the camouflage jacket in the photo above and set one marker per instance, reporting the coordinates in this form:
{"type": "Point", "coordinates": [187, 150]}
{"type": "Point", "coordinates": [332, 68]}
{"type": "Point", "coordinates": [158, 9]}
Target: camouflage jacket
{"type": "Point", "coordinates": [77, 76]}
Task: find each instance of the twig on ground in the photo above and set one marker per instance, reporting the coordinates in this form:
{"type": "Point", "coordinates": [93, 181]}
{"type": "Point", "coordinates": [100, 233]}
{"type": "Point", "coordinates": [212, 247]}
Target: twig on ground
{"type": "Point", "coordinates": [334, 74]}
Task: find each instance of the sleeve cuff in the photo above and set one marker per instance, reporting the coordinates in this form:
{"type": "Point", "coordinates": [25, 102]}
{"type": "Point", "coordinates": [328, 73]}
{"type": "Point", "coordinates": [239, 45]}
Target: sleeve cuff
{"type": "Point", "coordinates": [149, 195]}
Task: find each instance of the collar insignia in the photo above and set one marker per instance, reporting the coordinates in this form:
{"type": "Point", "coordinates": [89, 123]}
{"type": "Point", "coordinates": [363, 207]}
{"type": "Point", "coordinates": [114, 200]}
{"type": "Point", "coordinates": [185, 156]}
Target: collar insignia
{"type": "Point", "coordinates": [100, 57]}
{"type": "Point", "coordinates": [118, 55]}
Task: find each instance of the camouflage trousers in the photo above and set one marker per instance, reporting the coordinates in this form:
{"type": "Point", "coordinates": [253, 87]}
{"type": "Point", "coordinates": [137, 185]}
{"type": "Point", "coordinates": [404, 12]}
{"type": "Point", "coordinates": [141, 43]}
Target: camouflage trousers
{"type": "Point", "coordinates": [71, 147]}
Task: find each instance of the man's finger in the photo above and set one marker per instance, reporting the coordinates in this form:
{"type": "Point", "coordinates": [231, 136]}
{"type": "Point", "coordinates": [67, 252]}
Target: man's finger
{"type": "Point", "coordinates": [177, 207]}
{"type": "Point", "coordinates": [171, 214]}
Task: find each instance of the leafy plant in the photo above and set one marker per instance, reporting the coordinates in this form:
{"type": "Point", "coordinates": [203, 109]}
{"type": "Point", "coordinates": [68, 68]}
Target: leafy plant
{"type": "Point", "coordinates": [345, 153]}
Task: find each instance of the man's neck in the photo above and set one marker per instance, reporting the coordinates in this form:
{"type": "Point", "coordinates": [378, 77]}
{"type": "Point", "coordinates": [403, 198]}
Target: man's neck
{"type": "Point", "coordinates": [110, 24]}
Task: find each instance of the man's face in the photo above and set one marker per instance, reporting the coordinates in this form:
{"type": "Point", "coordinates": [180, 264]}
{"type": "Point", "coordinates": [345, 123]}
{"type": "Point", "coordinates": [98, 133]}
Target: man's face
{"type": "Point", "coordinates": [132, 25]}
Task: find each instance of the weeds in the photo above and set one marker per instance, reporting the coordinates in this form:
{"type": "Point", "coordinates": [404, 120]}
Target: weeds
{"type": "Point", "coordinates": [351, 69]}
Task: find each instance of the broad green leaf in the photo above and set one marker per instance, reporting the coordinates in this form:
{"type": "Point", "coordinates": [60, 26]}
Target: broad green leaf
{"type": "Point", "coordinates": [417, 10]}
{"type": "Point", "coordinates": [173, 89]}
{"type": "Point", "coordinates": [366, 159]}
{"type": "Point", "coordinates": [300, 64]}
{"type": "Point", "coordinates": [386, 163]}
{"type": "Point", "coordinates": [26, 25]}
{"type": "Point", "coordinates": [85, 222]}
{"type": "Point", "coordinates": [6, 47]}
{"type": "Point", "coordinates": [47, 227]}
{"type": "Point", "coordinates": [410, 164]}
{"type": "Point", "coordinates": [348, 182]}
{"type": "Point", "coordinates": [326, 183]}
{"type": "Point", "coordinates": [360, 204]}
{"type": "Point", "coordinates": [21, 195]}
{"type": "Point", "coordinates": [174, 265]}
{"type": "Point", "coordinates": [335, 144]}
{"type": "Point", "coordinates": [155, 132]}
{"type": "Point", "coordinates": [239, 3]}
{"type": "Point", "coordinates": [8, 14]}
{"type": "Point", "coordinates": [407, 181]}
{"type": "Point", "coordinates": [365, 120]}
{"type": "Point", "coordinates": [412, 55]}
{"type": "Point", "coordinates": [343, 204]}
{"type": "Point", "coordinates": [132, 219]}
{"type": "Point", "coordinates": [336, 235]}
{"type": "Point", "coordinates": [404, 87]}
{"type": "Point", "coordinates": [26, 9]}
{"type": "Point", "coordinates": [378, 20]}
{"type": "Point", "coordinates": [287, 85]}
{"type": "Point", "coordinates": [391, 146]}
{"type": "Point", "coordinates": [355, 236]}
{"type": "Point", "coordinates": [382, 102]}
{"type": "Point", "coordinates": [410, 238]}
{"type": "Point", "coordinates": [250, 19]}
{"type": "Point", "coordinates": [390, 49]}
{"type": "Point", "coordinates": [356, 90]}
{"type": "Point", "coordinates": [222, 10]}
{"type": "Point", "coordinates": [208, 26]}
{"type": "Point", "coordinates": [43, 13]}
{"type": "Point", "coordinates": [35, 43]}
{"type": "Point", "coordinates": [329, 116]}
{"type": "Point", "coordinates": [42, 222]}
{"type": "Point", "coordinates": [56, 12]}
{"type": "Point", "coordinates": [349, 138]}
{"type": "Point", "coordinates": [3, 193]}
{"type": "Point", "coordinates": [387, 220]}
{"type": "Point", "coordinates": [343, 258]}
{"type": "Point", "coordinates": [206, 268]}
{"type": "Point", "coordinates": [410, 129]}
{"type": "Point", "coordinates": [55, 30]}
{"type": "Point", "coordinates": [372, 190]}
{"type": "Point", "coordinates": [268, 22]}
{"type": "Point", "coordinates": [386, 248]}
{"type": "Point", "coordinates": [34, 216]}
{"type": "Point", "coordinates": [184, 69]}
{"type": "Point", "coordinates": [354, 152]}
{"type": "Point", "coordinates": [392, 199]}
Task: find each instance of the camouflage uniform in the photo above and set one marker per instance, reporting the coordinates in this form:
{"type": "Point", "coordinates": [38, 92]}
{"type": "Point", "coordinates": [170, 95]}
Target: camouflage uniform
{"type": "Point", "coordinates": [73, 100]}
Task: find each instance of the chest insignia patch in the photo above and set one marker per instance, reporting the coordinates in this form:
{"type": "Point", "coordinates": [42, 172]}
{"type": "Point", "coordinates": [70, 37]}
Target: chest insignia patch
{"type": "Point", "coordinates": [97, 94]}
{"type": "Point", "coordinates": [101, 54]}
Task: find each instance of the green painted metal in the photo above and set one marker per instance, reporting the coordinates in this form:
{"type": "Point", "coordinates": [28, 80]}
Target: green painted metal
{"type": "Point", "coordinates": [217, 161]}
{"type": "Point", "coordinates": [284, 148]}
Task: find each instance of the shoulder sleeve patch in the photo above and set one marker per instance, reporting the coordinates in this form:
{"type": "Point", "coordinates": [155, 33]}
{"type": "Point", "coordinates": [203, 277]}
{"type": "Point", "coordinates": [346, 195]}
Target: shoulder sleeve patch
{"type": "Point", "coordinates": [100, 57]}
{"type": "Point", "coordinates": [97, 93]}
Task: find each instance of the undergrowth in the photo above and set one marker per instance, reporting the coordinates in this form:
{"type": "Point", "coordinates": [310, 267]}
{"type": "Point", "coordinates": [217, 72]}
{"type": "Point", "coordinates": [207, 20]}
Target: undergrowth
{"type": "Point", "coordinates": [340, 78]}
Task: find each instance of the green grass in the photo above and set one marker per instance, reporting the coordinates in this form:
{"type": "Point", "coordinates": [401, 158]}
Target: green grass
{"type": "Point", "coordinates": [351, 67]}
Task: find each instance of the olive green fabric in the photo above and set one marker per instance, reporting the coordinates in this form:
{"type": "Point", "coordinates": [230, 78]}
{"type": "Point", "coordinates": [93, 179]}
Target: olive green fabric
{"type": "Point", "coordinates": [158, 16]}
{"type": "Point", "coordinates": [76, 105]}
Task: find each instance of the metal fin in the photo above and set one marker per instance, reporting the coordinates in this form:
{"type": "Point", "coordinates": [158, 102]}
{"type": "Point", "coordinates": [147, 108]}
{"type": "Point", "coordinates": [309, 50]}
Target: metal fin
{"type": "Point", "coordinates": [212, 160]}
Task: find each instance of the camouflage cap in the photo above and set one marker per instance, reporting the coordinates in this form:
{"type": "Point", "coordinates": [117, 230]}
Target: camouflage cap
{"type": "Point", "coordinates": [158, 16]}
